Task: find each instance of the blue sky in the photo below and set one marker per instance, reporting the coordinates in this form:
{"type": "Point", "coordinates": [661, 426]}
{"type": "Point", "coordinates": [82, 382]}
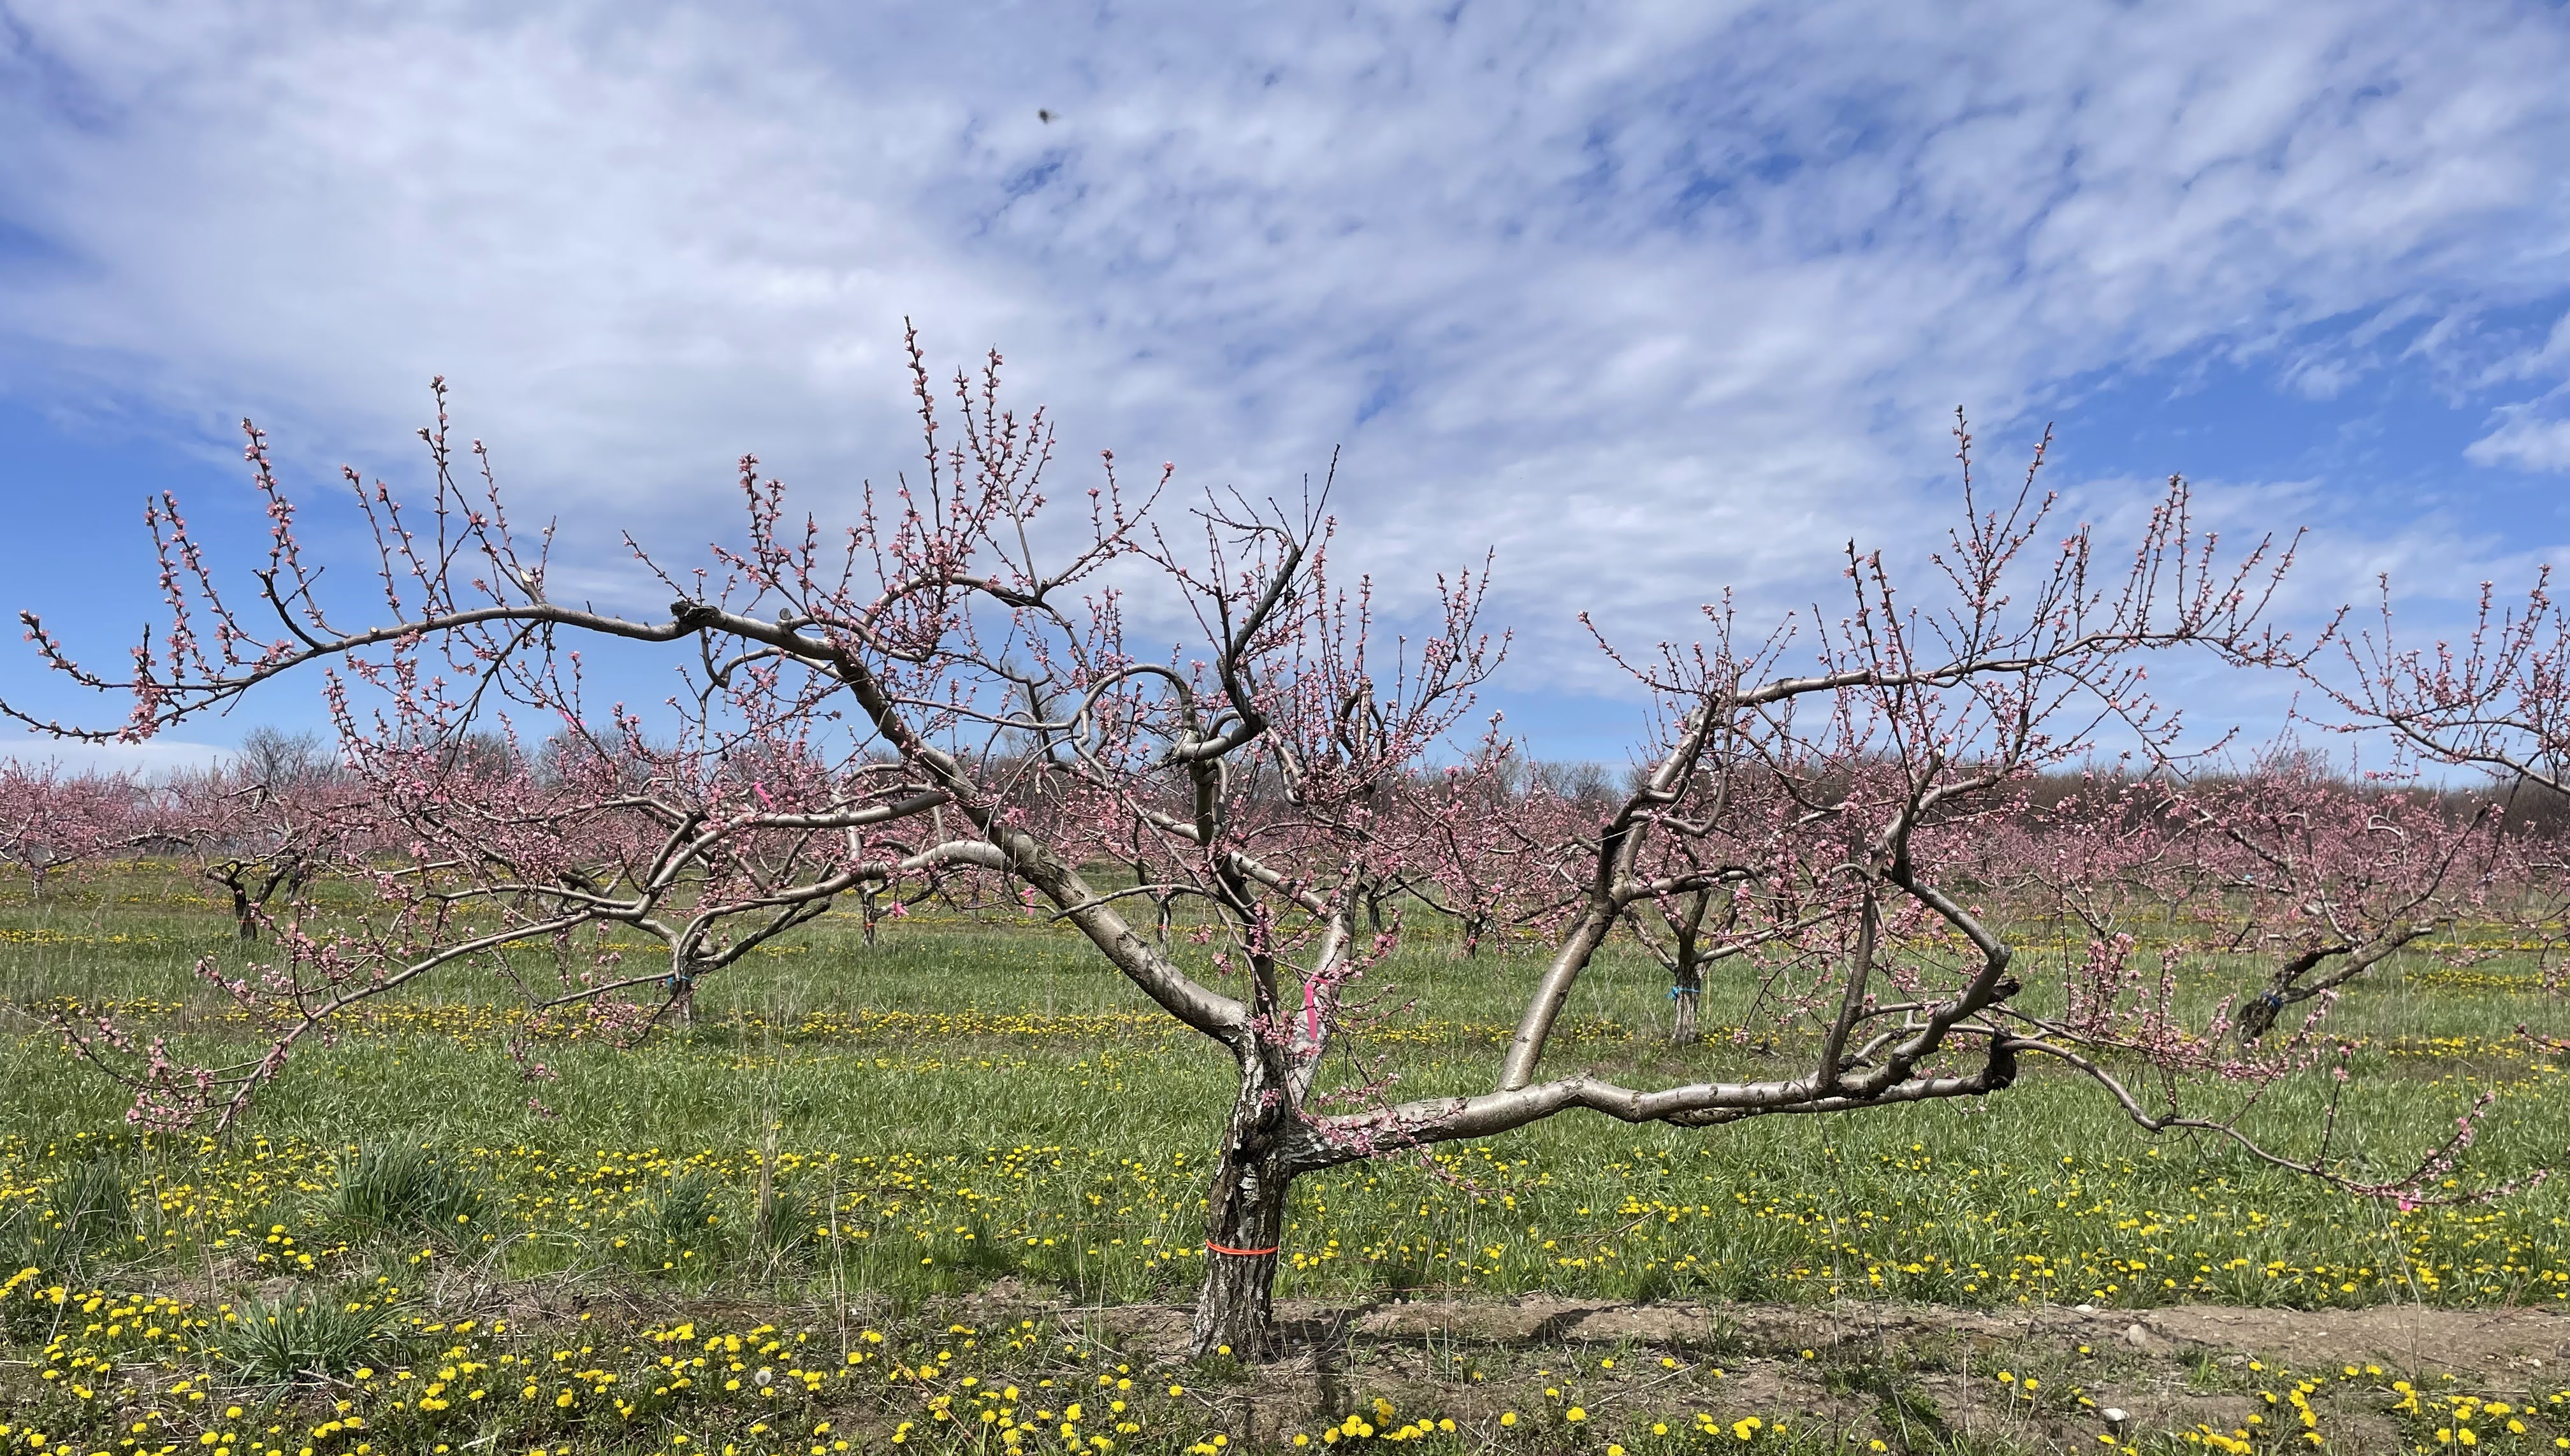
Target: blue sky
{"type": "Point", "coordinates": [1657, 300]}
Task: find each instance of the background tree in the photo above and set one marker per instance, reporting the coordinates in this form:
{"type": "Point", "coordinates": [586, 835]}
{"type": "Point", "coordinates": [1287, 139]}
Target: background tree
{"type": "Point", "coordinates": [2332, 877]}
{"type": "Point", "coordinates": [52, 821]}
{"type": "Point", "coordinates": [1488, 836]}
{"type": "Point", "coordinates": [265, 821]}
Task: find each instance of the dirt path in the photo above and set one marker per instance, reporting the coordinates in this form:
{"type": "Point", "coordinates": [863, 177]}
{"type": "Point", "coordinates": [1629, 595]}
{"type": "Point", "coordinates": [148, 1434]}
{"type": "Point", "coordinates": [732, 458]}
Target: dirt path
{"type": "Point", "coordinates": [1509, 1374]}
{"type": "Point", "coordinates": [2501, 1348]}
{"type": "Point", "coordinates": [1916, 1377]}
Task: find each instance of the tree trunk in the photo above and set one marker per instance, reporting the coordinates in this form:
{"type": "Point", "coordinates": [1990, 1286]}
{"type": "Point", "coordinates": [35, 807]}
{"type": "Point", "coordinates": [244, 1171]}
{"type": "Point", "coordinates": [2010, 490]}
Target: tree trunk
{"type": "Point", "coordinates": [1373, 909]}
{"type": "Point", "coordinates": [1686, 970]}
{"type": "Point", "coordinates": [1684, 997]}
{"type": "Point", "coordinates": [244, 924]}
{"type": "Point", "coordinates": [1245, 1222]}
{"type": "Point", "coordinates": [2256, 1016]}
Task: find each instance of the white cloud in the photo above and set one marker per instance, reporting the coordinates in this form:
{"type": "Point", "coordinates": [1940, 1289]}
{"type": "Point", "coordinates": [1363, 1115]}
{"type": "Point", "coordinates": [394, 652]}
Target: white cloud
{"type": "Point", "coordinates": [1659, 299]}
{"type": "Point", "coordinates": [159, 756]}
{"type": "Point", "coordinates": [2547, 360]}
{"type": "Point", "coordinates": [2535, 435]}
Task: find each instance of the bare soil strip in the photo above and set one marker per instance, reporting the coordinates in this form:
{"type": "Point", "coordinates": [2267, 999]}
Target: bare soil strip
{"type": "Point", "coordinates": [1917, 1377]}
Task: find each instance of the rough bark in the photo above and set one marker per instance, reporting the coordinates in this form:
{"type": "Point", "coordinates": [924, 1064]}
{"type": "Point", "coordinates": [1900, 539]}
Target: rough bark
{"type": "Point", "coordinates": [1245, 1211]}
{"type": "Point", "coordinates": [244, 924]}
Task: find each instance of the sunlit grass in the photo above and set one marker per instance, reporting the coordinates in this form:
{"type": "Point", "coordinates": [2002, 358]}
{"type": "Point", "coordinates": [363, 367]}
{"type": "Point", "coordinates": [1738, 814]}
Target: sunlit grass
{"type": "Point", "coordinates": [961, 1103]}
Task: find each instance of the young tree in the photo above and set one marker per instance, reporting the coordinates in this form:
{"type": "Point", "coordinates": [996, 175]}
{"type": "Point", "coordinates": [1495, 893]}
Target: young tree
{"type": "Point", "coordinates": [2330, 877]}
{"type": "Point", "coordinates": [1489, 837]}
{"type": "Point", "coordinates": [948, 685]}
{"type": "Point", "coordinates": [273, 817]}
{"type": "Point", "coordinates": [2325, 877]}
{"type": "Point", "coordinates": [51, 821]}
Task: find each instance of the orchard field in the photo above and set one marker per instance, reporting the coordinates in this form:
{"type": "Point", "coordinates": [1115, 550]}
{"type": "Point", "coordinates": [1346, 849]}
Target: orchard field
{"type": "Point", "coordinates": [1925, 1042]}
{"type": "Point", "coordinates": [928, 1191]}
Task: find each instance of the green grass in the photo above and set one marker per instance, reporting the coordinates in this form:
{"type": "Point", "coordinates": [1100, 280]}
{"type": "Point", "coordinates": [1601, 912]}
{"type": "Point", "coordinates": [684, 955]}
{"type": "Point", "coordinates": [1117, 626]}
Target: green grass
{"type": "Point", "coordinates": [996, 1102]}
{"type": "Point", "coordinates": [962, 1104]}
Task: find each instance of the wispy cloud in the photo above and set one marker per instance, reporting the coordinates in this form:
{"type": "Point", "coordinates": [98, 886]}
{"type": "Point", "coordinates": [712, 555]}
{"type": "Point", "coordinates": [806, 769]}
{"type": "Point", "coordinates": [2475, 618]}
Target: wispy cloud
{"type": "Point", "coordinates": [160, 756]}
{"type": "Point", "coordinates": [2527, 436]}
{"type": "Point", "coordinates": [1657, 299]}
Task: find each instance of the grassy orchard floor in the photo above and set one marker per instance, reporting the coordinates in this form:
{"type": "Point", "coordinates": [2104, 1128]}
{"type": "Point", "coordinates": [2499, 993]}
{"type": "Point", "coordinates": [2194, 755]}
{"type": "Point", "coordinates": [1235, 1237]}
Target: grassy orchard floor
{"type": "Point", "coordinates": [963, 1105]}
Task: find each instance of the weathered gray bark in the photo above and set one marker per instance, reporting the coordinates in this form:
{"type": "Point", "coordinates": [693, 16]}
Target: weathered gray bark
{"type": "Point", "coordinates": [1245, 1217]}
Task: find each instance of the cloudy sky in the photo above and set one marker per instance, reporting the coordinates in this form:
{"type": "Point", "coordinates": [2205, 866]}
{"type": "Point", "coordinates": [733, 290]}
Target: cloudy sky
{"type": "Point", "coordinates": [1657, 300]}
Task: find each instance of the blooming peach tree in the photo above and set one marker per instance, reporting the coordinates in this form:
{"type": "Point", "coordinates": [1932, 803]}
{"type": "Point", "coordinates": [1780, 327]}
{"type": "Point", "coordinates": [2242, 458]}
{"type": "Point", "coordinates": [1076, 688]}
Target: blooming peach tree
{"type": "Point", "coordinates": [948, 690]}
{"type": "Point", "coordinates": [53, 821]}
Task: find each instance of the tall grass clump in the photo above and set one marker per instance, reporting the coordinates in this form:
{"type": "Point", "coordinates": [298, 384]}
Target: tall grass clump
{"type": "Point", "coordinates": [87, 1216]}
{"type": "Point", "coordinates": [308, 1338]}
{"type": "Point", "coordinates": [398, 1188]}
{"type": "Point", "coordinates": [687, 1218]}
